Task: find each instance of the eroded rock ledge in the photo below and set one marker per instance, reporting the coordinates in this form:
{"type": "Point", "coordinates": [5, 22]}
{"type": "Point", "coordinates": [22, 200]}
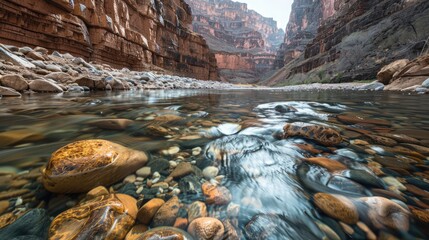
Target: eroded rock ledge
{"type": "Point", "coordinates": [137, 34]}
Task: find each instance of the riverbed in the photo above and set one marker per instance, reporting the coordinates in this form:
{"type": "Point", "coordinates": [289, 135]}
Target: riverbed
{"type": "Point", "coordinates": [278, 164]}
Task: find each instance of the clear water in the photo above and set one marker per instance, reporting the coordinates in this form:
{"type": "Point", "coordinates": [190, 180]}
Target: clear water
{"type": "Point", "coordinates": [264, 173]}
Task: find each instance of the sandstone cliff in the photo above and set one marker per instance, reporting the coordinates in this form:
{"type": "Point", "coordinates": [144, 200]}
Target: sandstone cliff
{"type": "Point", "coordinates": [137, 34]}
{"type": "Point", "coordinates": [244, 42]}
{"type": "Point", "coordinates": [345, 40]}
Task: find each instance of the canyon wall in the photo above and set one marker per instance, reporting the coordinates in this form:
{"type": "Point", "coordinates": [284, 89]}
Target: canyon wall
{"type": "Point", "coordinates": [138, 34]}
{"type": "Point", "coordinates": [346, 40]}
{"type": "Point", "coordinates": [244, 42]}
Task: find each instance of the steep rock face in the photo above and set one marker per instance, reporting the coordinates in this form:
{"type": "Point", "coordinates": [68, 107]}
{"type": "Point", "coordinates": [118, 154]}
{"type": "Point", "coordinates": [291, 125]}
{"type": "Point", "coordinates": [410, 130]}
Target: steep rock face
{"type": "Point", "coordinates": [137, 34]}
{"type": "Point", "coordinates": [353, 40]}
{"type": "Point", "coordinates": [244, 42]}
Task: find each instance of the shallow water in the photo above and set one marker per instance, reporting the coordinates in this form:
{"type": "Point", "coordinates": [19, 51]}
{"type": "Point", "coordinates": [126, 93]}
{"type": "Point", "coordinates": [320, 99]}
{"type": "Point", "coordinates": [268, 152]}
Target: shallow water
{"type": "Point", "coordinates": [268, 176]}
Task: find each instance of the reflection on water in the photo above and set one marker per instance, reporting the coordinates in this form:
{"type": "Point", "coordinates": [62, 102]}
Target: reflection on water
{"type": "Point", "coordinates": [286, 183]}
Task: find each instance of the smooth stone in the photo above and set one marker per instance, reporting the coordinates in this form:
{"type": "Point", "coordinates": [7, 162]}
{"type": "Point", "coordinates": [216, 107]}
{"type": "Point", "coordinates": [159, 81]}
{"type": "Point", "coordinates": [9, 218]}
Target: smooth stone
{"type": "Point", "coordinates": [196, 210]}
{"type": "Point", "coordinates": [383, 140]}
{"type": "Point", "coordinates": [388, 194]}
{"type": "Point", "coordinates": [374, 86]}
{"type": "Point", "coordinates": [83, 165]}
{"type": "Point", "coordinates": [327, 163]}
{"type": "Point", "coordinates": [419, 183]}
{"type": "Point", "coordinates": [89, 219]}
{"type": "Point", "coordinates": [136, 232]}
{"type": "Point", "coordinates": [165, 233]}
{"type": "Point", "coordinates": [384, 213]}
{"type": "Point", "coordinates": [181, 170]}
{"type": "Point", "coordinates": [210, 172]}
{"type": "Point", "coordinates": [171, 151]}
{"type": "Point", "coordinates": [181, 223]}
{"type": "Point", "coordinates": [13, 193]}
{"type": "Point", "coordinates": [391, 181]}
{"type": "Point", "coordinates": [324, 135]}
{"type": "Point", "coordinates": [167, 213]}
{"type": "Point", "coordinates": [360, 120]}
{"type": "Point", "coordinates": [35, 55]}
{"type": "Point", "coordinates": [9, 92]}
{"type": "Point", "coordinates": [42, 85]}
{"type": "Point", "coordinates": [130, 178]}
{"type": "Point", "coordinates": [418, 148]}
{"type": "Point", "coordinates": [425, 83]}
{"type": "Point", "coordinates": [393, 162]}
{"type": "Point", "coordinates": [4, 205]}
{"type": "Point", "coordinates": [167, 118]}
{"type": "Point", "coordinates": [14, 137]}
{"type": "Point", "coordinates": [6, 55]}
{"type": "Point", "coordinates": [364, 177]}
{"type": "Point", "coordinates": [112, 124]}
{"type": "Point", "coordinates": [91, 83]}
{"type": "Point", "coordinates": [14, 81]}
{"type": "Point", "coordinates": [144, 172]}
{"type": "Point", "coordinates": [337, 206]}
{"type": "Point", "coordinates": [59, 77]}
{"type": "Point", "coordinates": [97, 192]}
{"type": "Point", "coordinates": [148, 210]}
{"type": "Point", "coordinates": [369, 234]}
{"type": "Point", "coordinates": [33, 223]}
{"type": "Point", "coordinates": [53, 68]}
{"type": "Point", "coordinates": [417, 191]}
{"type": "Point", "coordinates": [216, 195]}
{"type": "Point", "coordinates": [229, 128]}
{"type": "Point", "coordinates": [402, 138]}
{"type": "Point", "coordinates": [206, 228]}
{"type": "Point", "coordinates": [41, 50]}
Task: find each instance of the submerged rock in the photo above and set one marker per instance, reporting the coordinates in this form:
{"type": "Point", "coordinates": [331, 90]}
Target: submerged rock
{"type": "Point", "coordinates": [206, 228]}
{"type": "Point", "coordinates": [83, 165]}
{"type": "Point", "coordinates": [337, 206]}
{"type": "Point", "coordinates": [105, 217]}
{"type": "Point", "coordinates": [33, 224]}
{"type": "Point", "coordinates": [165, 233]}
{"type": "Point", "coordinates": [321, 134]}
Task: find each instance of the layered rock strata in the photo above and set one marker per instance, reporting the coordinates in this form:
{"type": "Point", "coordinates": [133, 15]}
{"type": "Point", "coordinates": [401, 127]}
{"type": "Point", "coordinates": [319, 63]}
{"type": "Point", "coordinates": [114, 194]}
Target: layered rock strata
{"type": "Point", "coordinates": [244, 42]}
{"type": "Point", "coordinates": [339, 41]}
{"type": "Point", "coordinates": [136, 34]}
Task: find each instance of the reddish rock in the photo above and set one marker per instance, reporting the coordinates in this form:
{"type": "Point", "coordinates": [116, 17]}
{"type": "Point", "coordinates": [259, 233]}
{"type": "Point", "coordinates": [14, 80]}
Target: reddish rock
{"type": "Point", "coordinates": [327, 163]}
{"type": "Point", "coordinates": [321, 134]}
{"type": "Point", "coordinates": [167, 213]}
{"type": "Point", "coordinates": [244, 42]}
{"type": "Point", "coordinates": [353, 119]}
{"type": "Point", "coordinates": [217, 195]}
{"type": "Point", "coordinates": [133, 34]}
{"type": "Point", "coordinates": [147, 211]}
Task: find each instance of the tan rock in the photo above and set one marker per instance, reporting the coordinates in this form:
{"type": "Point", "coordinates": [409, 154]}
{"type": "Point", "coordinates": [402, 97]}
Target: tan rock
{"type": "Point", "coordinates": [89, 219]}
{"type": "Point", "coordinates": [91, 82]}
{"type": "Point", "coordinates": [14, 81]}
{"type": "Point", "coordinates": [321, 134]}
{"type": "Point", "coordinates": [337, 207]}
{"type": "Point", "coordinates": [165, 233]}
{"type": "Point", "coordinates": [206, 228]}
{"type": "Point", "coordinates": [83, 165]}
{"type": "Point", "coordinates": [217, 195]}
{"type": "Point", "coordinates": [181, 223]}
{"type": "Point", "coordinates": [136, 232]}
{"type": "Point", "coordinates": [196, 210]}
{"type": "Point", "coordinates": [386, 214]}
{"type": "Point", "coordinates": [386, 73]}
{"type": "Point", "coordinates": [35, 55]}
{"type": "Point", "coordinates": [14, 137]}
{"type": "Point", "coordinates": [9, 92]}
{"type": "Point", "coordinates": [112, 124]}
{"type": "Point", "coordinates": [327, 163]}
{"type": "Point", "coordinates": [181, 170]}
{"type": "Point", "coordinates": [96, 192]}
{"type": "Point", "coordinates": [42, 85]}
{"type": "Point", "coordinates": [148, 211]}
{"type": "Point", "coordinates": [167, 213]}
{"type": "Point", "coordinates": [4, 205]}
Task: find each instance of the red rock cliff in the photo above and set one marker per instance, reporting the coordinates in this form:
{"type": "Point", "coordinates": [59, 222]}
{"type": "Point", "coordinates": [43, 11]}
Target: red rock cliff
{"type": "Point", "coordinates": [244, 42]}
{"type": "Point", "coordinates": [123, 33]}
{"type": "Point", "coordinates": [345, 40]}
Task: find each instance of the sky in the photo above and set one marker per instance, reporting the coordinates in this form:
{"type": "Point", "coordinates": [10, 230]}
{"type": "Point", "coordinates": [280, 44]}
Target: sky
{"type": "Point", "coordinates": [277, 9]}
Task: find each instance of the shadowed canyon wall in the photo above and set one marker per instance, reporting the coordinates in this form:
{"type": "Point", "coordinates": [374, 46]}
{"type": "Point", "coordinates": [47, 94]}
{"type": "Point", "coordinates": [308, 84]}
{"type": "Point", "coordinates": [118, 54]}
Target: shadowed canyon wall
{"type": "Point", "coordinates": [138, 34]}
{"type": "Point", "coordinates": [244, 42]}
{"type": "Point", "coordinates": [346, 40]}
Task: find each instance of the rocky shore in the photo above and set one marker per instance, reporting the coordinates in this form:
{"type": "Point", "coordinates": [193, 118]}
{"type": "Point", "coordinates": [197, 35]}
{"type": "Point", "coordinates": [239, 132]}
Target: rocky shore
{"type": "Point", "coordinates": [26, 70]}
